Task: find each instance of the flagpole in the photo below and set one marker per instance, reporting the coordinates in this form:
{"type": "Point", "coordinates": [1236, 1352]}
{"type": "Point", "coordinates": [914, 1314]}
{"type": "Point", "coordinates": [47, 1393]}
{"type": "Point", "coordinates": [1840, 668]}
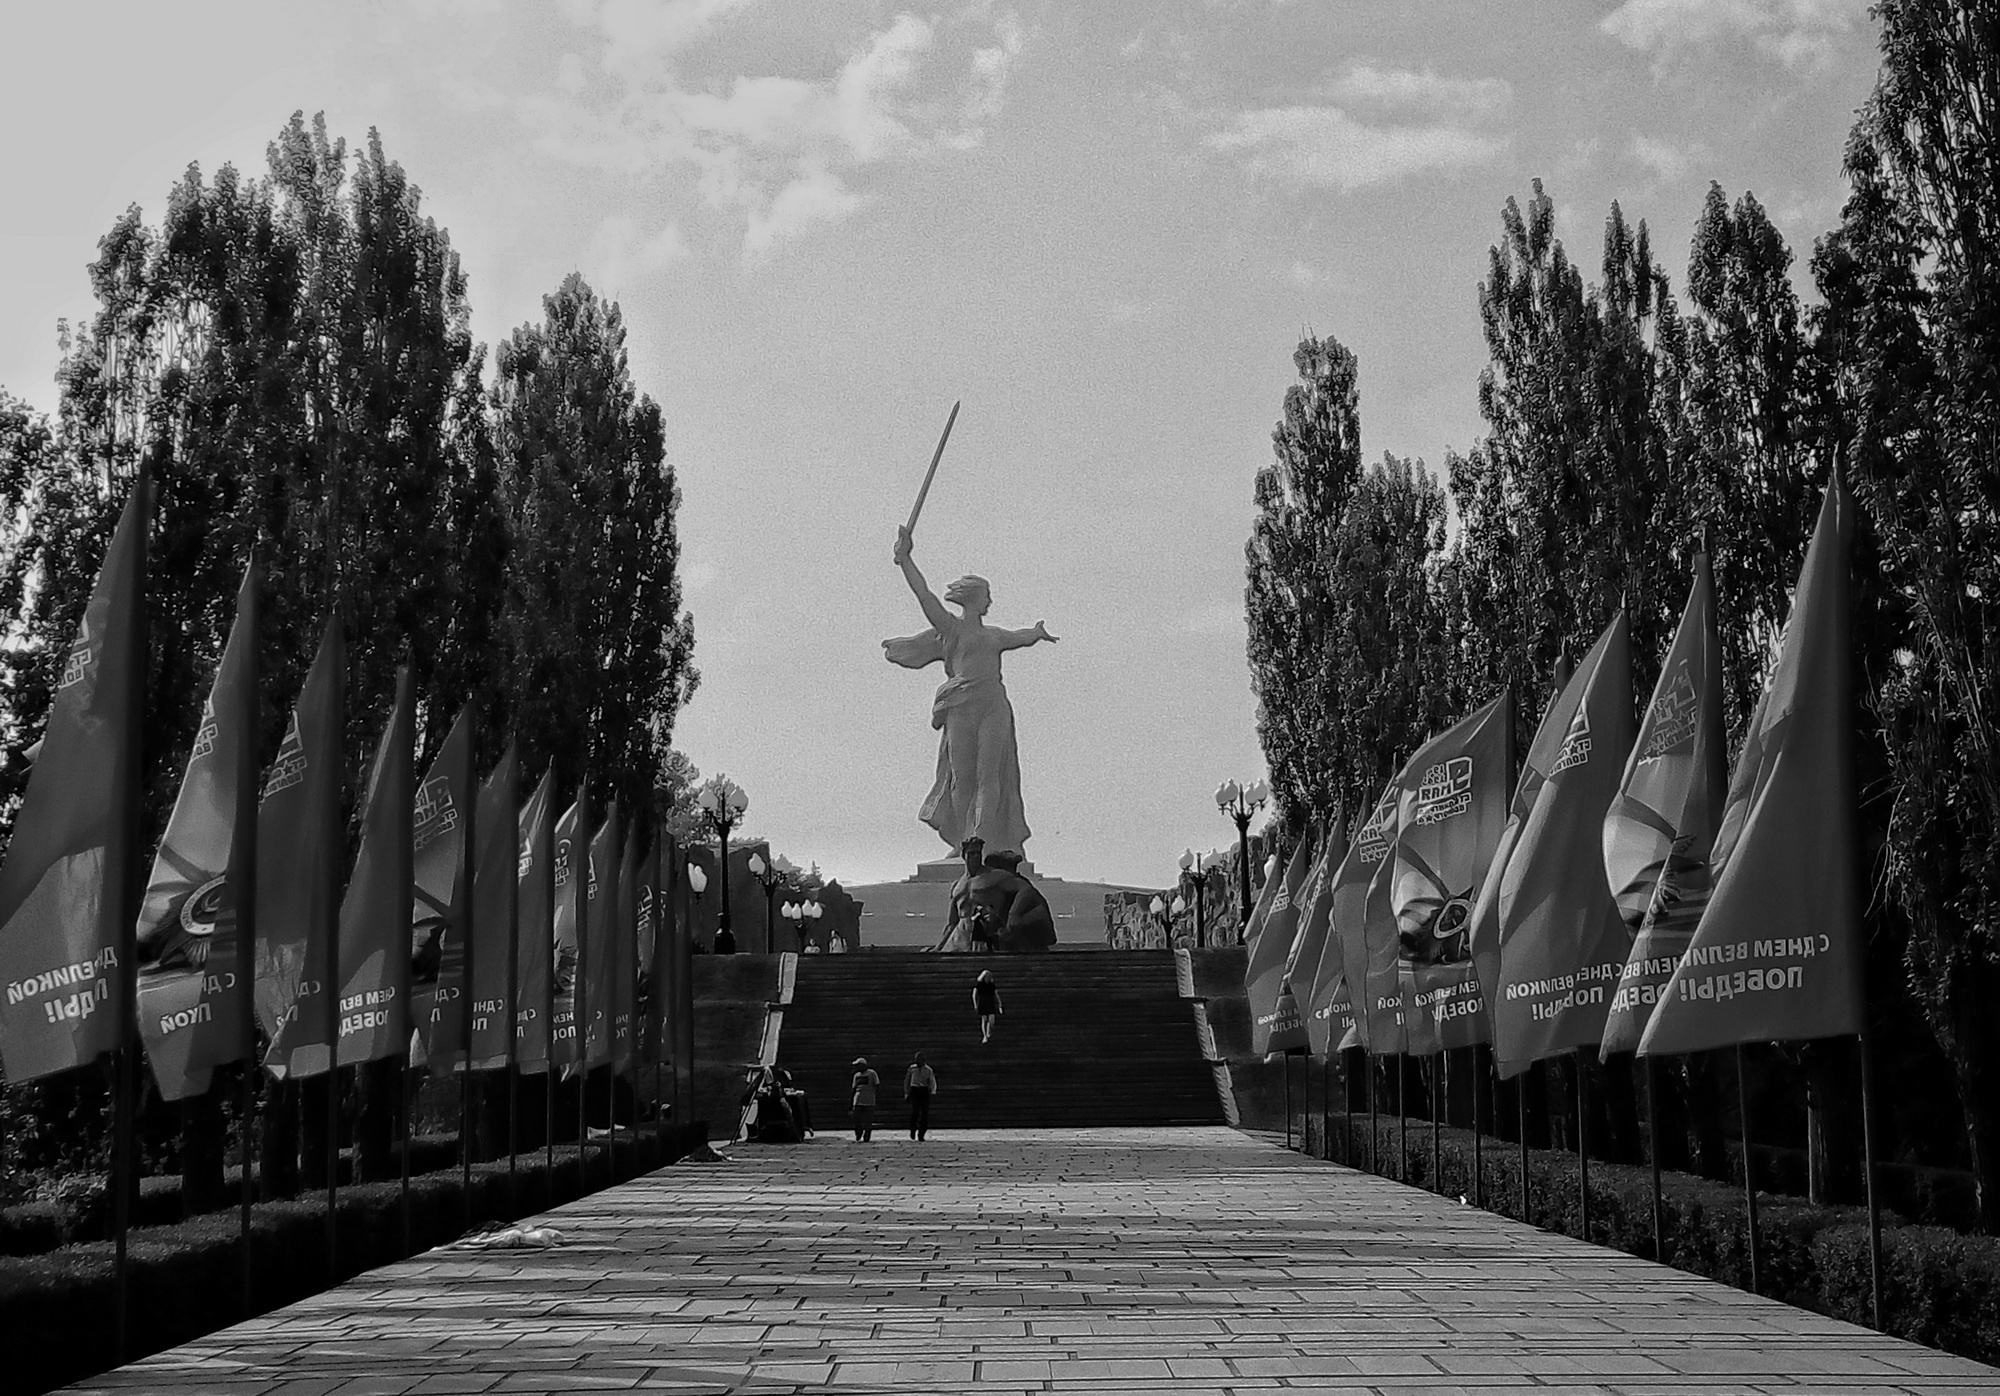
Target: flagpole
{"type": "Point", "coordinates": [1653, 1148]}
{"type": "Point", "coordinates": [404, 854]}
{"type": "Point", "coordinates": [130, 885]}
{"type": "Point", "coordinates": [1433, 1074]}
{"type": "Point", "coordinates": [511, 1063]}
{"type": "Point", "coordinates": [1285, 1064]}
{"type": "Point", "coordinates": [1481, 1064]}
{"type": "Point", "coordinates": [1521, 1103]}
{"type": "Point", "coordinates": [243, 881]}
{"type": "Point", "coordinates": [545, 856]}
{"type": "Point", "coordinates": [1868, 1168]}
{"type": "Point", "coordinates": [1749, 1163]}
{"type": "Point", "coordinates": [466, 864]}
{"type": "Point", "coordinates": [1403, 1113]}
{"type": "Point", "coordinates": [330, 825]}
{"type": "Point", "coordinates": [1582, 1146]}
{"type": "Point", "coordinates": [579, 895]}
{"type": "Point", "coordinates": [1374, 1115]}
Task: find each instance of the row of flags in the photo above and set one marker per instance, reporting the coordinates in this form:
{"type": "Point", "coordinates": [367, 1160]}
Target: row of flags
{"type": "Point", "coordinates": [1631, 895]}
{"type": "Point", "coordinates": [471, 925]}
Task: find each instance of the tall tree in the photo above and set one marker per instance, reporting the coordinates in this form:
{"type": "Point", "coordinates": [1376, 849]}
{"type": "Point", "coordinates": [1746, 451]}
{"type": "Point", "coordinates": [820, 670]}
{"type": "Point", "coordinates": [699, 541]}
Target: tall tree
{"type": "Point", "coordinates": [1912, 326]}
{"type": "Point", "coordinates": [600, 647]}
{"type": "Point", "coordinates": [1301, 497]}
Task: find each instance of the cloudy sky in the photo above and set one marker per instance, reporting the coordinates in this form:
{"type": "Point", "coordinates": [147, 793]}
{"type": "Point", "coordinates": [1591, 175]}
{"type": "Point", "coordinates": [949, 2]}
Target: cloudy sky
{"type": "Point", "coordinates": [1102, 226]}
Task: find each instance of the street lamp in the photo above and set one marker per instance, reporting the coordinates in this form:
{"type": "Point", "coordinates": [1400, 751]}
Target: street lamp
{"type": "Point", "coordinates": [1241, 803]}
{"type": "Point", "coordinates": [1158, 907]}
{"type": "Point", "coordinates": [770, 878]}
{"type": "Point", "coordinates": [1194, 877]}
{"type": "Point", "coordinates": [723, 804]}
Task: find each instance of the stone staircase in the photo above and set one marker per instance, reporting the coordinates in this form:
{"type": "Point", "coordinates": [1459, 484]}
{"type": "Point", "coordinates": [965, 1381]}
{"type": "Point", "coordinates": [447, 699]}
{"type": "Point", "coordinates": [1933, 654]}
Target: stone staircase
{"type": "Point", "coordinates": [1089, 1037]}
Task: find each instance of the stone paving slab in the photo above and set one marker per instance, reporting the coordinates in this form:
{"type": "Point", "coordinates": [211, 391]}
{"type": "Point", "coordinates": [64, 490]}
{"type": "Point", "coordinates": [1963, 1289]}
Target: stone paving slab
{"type": "Point", "coordinates": [1105, 1261]}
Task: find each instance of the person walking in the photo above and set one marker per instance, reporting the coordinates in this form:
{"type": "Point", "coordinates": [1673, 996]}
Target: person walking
{"type": "Point", "coordinates": [986, 1003]}
{"type": "Point", "coordinates": [919, 1084]}
{"type": "Point", "coordinates": [865, 1082]}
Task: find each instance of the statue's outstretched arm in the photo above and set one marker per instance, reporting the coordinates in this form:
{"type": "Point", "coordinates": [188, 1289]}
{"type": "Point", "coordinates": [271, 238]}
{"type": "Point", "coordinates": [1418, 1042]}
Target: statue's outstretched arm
{"type": "Point", "coordinates": [934, 610]}
{"type": "Point", "coordinates": [1021, 639]}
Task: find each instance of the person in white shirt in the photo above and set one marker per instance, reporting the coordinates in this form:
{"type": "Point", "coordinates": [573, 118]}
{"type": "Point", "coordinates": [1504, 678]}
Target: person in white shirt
{"type": "Point", "coordinates": [919, 1085]}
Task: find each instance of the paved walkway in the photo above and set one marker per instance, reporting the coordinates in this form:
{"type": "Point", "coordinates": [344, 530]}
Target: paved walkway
{"type": "Point", "coordinates": [1193, 1260]}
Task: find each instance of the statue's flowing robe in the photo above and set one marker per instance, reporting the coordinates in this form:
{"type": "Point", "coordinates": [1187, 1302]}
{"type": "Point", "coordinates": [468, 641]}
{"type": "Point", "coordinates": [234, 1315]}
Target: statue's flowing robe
{"type": "Point", "coordinates": [978, 788]}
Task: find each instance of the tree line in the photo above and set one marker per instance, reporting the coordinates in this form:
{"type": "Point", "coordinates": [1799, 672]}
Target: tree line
{"type": "Point", "coordinates": [289, 356]}
{"type": "Point", "coordinates": [1629, 426]}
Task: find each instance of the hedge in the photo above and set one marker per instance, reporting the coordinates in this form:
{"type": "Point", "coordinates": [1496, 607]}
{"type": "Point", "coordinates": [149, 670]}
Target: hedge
{"type": "Point", "coordinates": [185, 1279]}
{"type": "Point", "coordinates": [1939, 1288]}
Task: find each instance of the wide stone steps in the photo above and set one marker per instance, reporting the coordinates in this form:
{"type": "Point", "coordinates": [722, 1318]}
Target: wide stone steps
{"type": "Point", "coordinates": [1087, 1038]}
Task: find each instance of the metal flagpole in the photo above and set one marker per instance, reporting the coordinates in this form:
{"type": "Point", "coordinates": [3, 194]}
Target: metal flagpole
{"type": "Point", "coordinates": [545, 854]}
{"type": "Point", "coordinates": [1374, 1116]}
{"type": "Point", "coordinates": [1285, 1063]}
{"type": "Point", "coordinates": [1478, 1160]}
{"type": "Point", "coordinates": [467, 849]}
{"type": "Point", "coordinates": [243, 880]}
{"type": "Point", "coordinates": [1653, 1148]}
{"type": "Point", "coordinates": [1868, 1166]}
{"type": "Point", "coordinates": [129, 890]}
{"type": "Point", "coordinates": [1582, 1146]}
{"type": "Point", "coordinates": [511, 1063]}
{"type": "Point", "coordinates": [1433, 1078]}
{"type": "Point", "coordinates": [1749, 1165]}
{"type": "Point", "coordinates": [1521, 1103]}
{"type": "Point", "coordinates": [1403, 1113]}
{"type": "Point", "coordinates": [579, 893]}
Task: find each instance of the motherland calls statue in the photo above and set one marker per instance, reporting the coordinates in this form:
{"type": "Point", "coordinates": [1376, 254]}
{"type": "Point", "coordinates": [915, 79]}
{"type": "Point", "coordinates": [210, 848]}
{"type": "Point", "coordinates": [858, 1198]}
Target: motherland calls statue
{"type": "Point", "coordinates": [977, 793]}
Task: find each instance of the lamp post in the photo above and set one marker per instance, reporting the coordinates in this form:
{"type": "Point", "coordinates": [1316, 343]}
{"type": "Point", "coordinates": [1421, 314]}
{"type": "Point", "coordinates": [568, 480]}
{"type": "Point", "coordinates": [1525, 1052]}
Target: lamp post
{"type": "Point", "coordinates": [723, 804]}
{"type": "Point", "coordinates": [1241, 803]}
{"type": "Point", "coordinates": [697, 881]}
{"type": "Point", "coordinates": [1193, 877]}
{"type": "Point", "coordinates": [1158, 907]}
{"type": "Point", "coordinates": [770, 879]}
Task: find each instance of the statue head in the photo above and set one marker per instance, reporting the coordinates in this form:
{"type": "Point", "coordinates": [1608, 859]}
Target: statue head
{"type": "Point", "coordinates": [970, 593]}
{"type": "Point", "coordinates": [1004, 859]}
{"type": "Point", "coordinates": [974, 850]}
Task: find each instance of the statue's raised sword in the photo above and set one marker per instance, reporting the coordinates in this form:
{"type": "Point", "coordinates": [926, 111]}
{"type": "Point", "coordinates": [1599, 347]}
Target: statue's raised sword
{"type": "Point", "coordinates": [930, 474]}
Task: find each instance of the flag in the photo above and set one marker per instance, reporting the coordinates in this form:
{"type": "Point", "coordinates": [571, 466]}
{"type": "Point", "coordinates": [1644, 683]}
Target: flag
{"type": "Point", "coordinates": [1561, 944]}
{"type": "Point", "coordinates": [300, 835]}
{"type": "Point", "coordinates": [566, 946]}
{"type": "Point", "coordinates": [1778, 954]}
{"type": "Point", "coordinates": [1451, 807]}
{"type": "Point", "coordinates": [495, 895]}
{"type": "Point", "coordinates": [1272, 946]}
{"type": "Point", "coordinates": [646, 939]}
{"type": "Point", "coordinates": [438, 915]}
{"type": "Point", "coordinates": [534, 933]}
{"type": "Point", "coordinates": [375, 914]}
{"type": "Point", "coordinates": [191, 1006]}
{"type": "Point", "coordinates": [1314, 946]}
{"type": "Point", "coordinates": [1289, 1029]}
{"type": "Point", "coordinates": [1660, 830]}
{"type": "Point", "coordinates": [1542, 751]}
{"type": "Point", "coordinates": [601, 950]}
{"type": "Point", "coordinates": [625, 952]}
{"type": "Point", "coordinates": [1353, 907]}
{"type": "Point", "coordinates": [67, 892]}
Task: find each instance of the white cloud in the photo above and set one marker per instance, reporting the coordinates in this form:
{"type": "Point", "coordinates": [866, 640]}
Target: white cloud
{"type": "Point", "coordinates": [620, 253]}
{"type": "Point", "coordinates": [1796, 33]}
{"type": "Point", "coordinates": [1666, 160]}
{"type": "Point", "coordinates": [1415, 122]}
{"type": "Point", "coordinates": [780, 153]}
{"type": "Point", "coordinates": [1325, 147]}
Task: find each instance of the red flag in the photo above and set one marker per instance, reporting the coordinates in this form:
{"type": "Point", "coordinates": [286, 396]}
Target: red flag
{"type": "Point", "coordinates": [375, 914]}
{"type": "Point", "coordinates": [1778, 954]}
{"type": "Point", "coordinates": [1361, 921]}
{"type": "Point", "coordinates": [566, 950]}
{"type": "Point", "coordinates": [601, 953]}
{"type": "Point", "coordinates": [534, 990]}
{"type": "Point", "coordinates": [1561, 944]}
{"type": "Point", "coordinates": [68, 885]}
{"type": "Point", "coordinates": [190, 1005]}
{"type": "Point", "coordinates": [495, 896]}
{"type": "Point", "coordinates": [1272, 947]}
{"type": "Point", "coordinates": [299, 838]}
{"type": "Point", "coordinates": [1660, 830]}
{"type": "Point", "coordinates": [438, 918]}
{"type": "Point", "coordinates": [1452, 805]}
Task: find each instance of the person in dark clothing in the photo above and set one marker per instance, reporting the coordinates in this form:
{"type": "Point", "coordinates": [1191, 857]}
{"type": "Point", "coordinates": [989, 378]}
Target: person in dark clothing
{"type": "Point", "coordinates": [986, 1003]}
{"type": "Point", "coordinates": [919, 1084]}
